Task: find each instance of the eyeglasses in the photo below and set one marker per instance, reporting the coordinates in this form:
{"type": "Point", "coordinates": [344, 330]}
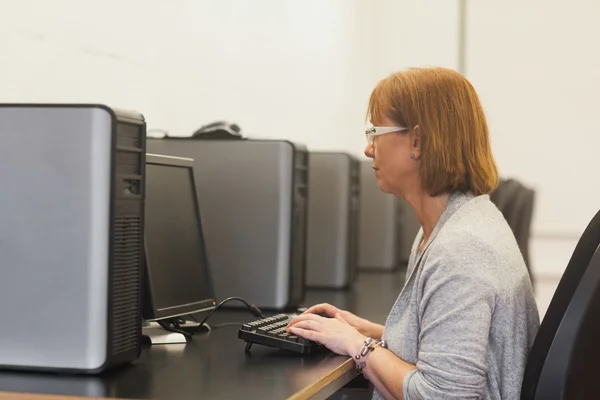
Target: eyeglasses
{"type": "Point", "coordinates": [373, 131]}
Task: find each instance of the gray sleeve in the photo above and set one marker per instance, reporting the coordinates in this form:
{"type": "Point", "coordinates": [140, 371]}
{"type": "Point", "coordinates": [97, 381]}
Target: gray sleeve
{"type": "Point", "coordinates": [455, 317]}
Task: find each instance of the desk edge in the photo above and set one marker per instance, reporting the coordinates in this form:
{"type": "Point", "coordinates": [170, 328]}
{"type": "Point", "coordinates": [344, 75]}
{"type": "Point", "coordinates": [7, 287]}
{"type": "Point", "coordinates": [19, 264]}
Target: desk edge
{"type": "Point", "coordinates": [329, 383]}
{"type": "Point", "coordinates": [4, 395]}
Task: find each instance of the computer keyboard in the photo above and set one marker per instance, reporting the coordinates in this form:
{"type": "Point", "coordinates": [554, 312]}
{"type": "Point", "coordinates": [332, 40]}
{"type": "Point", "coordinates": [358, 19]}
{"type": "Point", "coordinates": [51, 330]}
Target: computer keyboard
{"type": "Point", "coordinates": [272, 332]}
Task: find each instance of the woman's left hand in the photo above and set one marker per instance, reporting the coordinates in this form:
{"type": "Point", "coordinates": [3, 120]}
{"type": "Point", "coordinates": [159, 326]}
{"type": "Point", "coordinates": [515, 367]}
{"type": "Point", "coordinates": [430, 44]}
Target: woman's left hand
{"type": "Point", "coordinates": [334, 333]}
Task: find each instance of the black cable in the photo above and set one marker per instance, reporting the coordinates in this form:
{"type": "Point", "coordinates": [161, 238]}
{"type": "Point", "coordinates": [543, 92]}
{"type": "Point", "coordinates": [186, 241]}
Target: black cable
{"type": "Point", "coordinates": [226, 324]}
{"type": "Point", "coordinates": [251, 307]}
{"type": "Point", "coordinates": [172, 325]}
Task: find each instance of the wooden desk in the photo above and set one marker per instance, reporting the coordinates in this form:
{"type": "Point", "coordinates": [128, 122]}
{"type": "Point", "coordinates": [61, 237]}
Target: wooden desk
{"type": "Point", "coordinates": [215, 366]}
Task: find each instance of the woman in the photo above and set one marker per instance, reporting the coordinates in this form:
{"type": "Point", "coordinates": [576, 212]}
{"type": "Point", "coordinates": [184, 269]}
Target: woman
{"type": "Point", "coordinates": [463, 325]}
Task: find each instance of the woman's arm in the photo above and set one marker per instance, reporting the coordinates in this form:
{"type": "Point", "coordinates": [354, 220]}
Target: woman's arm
{"type": "Point", "coordinates": [386, 371]}
{"type": "Point", "coordinates": [455, 319]}
{"type": "Point", "coordinates": [372, 330]}
{"type": "Point", "coordinates": [384, 368]}
{"type": "Point", "coordinates": [456, 312]}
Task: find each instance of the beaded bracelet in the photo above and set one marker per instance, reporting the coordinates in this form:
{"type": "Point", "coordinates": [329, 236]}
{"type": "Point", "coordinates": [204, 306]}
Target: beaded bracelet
{"type": "Point", "coordinates": [370, 345]}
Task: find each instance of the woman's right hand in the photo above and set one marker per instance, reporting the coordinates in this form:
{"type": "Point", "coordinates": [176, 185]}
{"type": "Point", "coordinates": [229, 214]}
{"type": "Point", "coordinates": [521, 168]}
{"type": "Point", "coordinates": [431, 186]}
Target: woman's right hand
{"type": "Point", "coordinates": [362, 325]}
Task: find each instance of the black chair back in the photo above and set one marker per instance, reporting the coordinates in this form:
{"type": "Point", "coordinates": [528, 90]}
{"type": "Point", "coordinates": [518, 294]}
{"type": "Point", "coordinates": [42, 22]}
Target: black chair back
{"type": "Point", "coordinates": [516, 203]}
{"type": "Point", "coordinates": [565, 357]}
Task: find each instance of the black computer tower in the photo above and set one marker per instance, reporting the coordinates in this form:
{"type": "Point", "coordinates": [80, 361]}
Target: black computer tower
{"type": "Point", "coordinates": [71, 224]}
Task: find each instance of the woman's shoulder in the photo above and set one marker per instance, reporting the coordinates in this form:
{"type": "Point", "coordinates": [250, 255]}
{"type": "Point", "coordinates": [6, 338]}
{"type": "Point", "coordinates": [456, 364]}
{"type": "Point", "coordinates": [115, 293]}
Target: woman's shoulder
{"type": "Point", "coordinates": [477, 240]}
{"type": "Point", "coordinates": [476, 224]}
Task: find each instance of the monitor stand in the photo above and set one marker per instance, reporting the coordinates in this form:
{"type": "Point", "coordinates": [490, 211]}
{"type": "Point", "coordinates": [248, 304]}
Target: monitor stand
{"type": "Point", "coordinates": [157, 335]}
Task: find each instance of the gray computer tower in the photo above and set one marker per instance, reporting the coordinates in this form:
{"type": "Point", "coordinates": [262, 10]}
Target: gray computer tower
{"type": "Point", "coordinates": [252, 196]}
{"type": "Point", "coordinates": [71, 224]}
{"type": "Point", "coordinates": [333, 204]}
{"type": "Point", "coordinates": [409, 227]}
{"type": "Point", "coordinates": [387, 225]}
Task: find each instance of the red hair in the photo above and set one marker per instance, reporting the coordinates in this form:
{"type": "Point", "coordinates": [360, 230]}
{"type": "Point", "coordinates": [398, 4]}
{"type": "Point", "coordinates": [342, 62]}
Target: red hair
{"type": "Point", "coordinates": [455, 145]}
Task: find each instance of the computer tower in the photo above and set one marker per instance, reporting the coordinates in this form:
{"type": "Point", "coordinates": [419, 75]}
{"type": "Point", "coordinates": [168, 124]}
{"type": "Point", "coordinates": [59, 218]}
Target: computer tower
{"type": "Point", "coordinates": [333, 206]}
{"type": "Point", "coordinates": [409, 226]}
{"type": "Point", "coordinates": [379, 224]}
{"type": "Point", "coordinates": [252, 196]}
{"type": "Point", "coordinates": [71, 223]}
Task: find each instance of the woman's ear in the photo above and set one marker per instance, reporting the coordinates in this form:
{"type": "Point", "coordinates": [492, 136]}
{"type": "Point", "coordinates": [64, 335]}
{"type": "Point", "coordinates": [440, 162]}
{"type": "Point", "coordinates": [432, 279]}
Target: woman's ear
{"type": "Point", "coordinates": [416, 134]}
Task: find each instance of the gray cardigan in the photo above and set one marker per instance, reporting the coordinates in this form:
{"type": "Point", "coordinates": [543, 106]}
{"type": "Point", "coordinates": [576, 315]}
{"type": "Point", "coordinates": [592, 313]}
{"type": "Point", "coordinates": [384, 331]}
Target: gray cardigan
{"type": "Point", "coordinates": [466, 315]}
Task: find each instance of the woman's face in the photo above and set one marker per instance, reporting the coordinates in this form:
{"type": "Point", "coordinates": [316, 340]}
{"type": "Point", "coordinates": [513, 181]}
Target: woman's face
{"type": "Point", "coordinates": [395, 170]}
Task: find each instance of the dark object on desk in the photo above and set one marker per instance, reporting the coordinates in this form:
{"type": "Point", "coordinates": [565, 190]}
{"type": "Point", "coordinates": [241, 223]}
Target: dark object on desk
{"type": "Point", "coordinates": [516, 202]}
{"type": "Point", "coordinates": [219, 130]}
{"type": "Point", "coordinates": [72, 227]}
{"type": "Point", "coordinates": [178, 279]}
{"type": "Point", "coordinates": [272, 332]}
{"type": "Point", "coordinates": [563, 361]}
{"type": "Point", "coordinates": [253, 196]}
{"type": "Point", "coordinates": [332, 232]}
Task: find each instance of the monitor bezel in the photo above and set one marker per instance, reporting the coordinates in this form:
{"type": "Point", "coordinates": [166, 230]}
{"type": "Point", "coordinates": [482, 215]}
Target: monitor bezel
{"type": "Point", "coordinates": [151, 312]}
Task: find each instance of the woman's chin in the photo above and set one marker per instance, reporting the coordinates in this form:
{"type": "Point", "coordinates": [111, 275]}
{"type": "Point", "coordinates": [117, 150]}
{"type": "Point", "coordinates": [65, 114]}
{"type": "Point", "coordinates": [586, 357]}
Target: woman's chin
{"type": "Point", "coordinates": [383, 186]}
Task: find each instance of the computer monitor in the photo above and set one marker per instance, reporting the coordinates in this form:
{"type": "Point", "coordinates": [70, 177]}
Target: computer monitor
{"type": "Point", "coordinates": [178, 278]}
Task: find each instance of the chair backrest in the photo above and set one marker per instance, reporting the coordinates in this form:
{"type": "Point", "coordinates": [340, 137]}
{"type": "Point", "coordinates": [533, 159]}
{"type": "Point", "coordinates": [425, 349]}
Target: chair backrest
{"type": "Point", "coordinates": [516, 203]}
{"type": "Point", "coordinates": [505, 198]}
{"type": "Point", "coordinates": [565, 356]}
{"type": "Point", "coordinates": [525, 206]}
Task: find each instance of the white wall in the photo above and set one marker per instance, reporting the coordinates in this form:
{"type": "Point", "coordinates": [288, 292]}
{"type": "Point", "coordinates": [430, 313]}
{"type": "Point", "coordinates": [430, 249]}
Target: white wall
{"type": "Point", "coordinates": [536, 66]}
{"type": "Point", "coordinates": [292, 69]}
{"type": "Point", "coordinates": [413, 33]}
{"type": "Point", "coordinates": [296, 69]}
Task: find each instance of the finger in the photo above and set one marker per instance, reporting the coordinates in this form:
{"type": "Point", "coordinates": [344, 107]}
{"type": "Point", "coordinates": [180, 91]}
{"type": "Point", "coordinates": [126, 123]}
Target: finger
{"type": "Point", "coordinates": [323, 308]}
{"type": "Point", "coordinates": [307, 334]}
{"type": "Point", "coordinates": [309, 324]}
{"type": "Point", "coordinates": [339, 317]}
{"type": "Point", "coordinates": [306, 317]}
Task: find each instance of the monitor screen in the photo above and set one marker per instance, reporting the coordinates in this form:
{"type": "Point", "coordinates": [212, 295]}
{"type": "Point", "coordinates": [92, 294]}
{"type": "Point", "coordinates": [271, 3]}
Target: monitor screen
{"type": "Point", "coordinates": [179, 278]}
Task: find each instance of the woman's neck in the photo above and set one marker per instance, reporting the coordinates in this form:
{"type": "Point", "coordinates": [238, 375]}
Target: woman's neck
{"type": "Point", "coordinates": [428, 209]}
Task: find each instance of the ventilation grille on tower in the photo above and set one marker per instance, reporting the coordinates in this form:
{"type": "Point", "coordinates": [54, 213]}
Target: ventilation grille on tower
{"type": "Point", "coordinates": [126, 284]}
{"type": "Point", "coordinates": [298, 239]}
{"type": "Point", "coordinates": [128, 135]}
{"type": "Point", "coordinates": [129, 163]}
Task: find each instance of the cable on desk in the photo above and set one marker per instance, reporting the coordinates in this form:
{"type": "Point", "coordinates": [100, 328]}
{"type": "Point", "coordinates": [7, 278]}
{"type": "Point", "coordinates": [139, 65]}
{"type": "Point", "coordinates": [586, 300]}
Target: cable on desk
{"type": "Point", "coordinates": [253, 309]}
{"type": "Point", "coordinates": [172, 325]}
{"type": "Point", "coordinates": [227, 324]}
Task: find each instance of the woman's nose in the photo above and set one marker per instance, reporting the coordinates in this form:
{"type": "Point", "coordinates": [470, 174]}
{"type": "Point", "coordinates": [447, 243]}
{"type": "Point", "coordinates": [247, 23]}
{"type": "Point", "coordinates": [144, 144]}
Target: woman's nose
{"type": "Point", "coordinates": [369, 151]}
